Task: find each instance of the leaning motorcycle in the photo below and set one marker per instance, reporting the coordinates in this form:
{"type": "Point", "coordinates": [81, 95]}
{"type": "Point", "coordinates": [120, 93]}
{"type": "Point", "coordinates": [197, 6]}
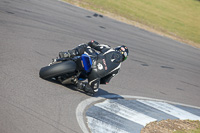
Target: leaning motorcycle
{"type": "Point", "coordinates": [64, 69]}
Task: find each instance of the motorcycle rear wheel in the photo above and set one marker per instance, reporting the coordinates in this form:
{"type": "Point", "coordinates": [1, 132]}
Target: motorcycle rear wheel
{"type": "Point", "coordinates": [57, 69]}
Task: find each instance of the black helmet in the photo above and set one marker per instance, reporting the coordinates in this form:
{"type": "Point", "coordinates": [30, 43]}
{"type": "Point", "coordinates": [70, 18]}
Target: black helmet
{"type": "Point", "coordinates": [123, 50]}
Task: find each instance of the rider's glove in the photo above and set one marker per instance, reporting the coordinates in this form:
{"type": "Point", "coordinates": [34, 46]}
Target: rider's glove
{"type": "Point", "coordinates": [93, 43]}
{"type": "Point", "coordinates": [64, 54]}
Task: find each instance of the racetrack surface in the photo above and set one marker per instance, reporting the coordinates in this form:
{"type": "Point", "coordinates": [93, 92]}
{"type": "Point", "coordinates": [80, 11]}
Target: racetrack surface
{"type": "Point", "coordinates": [33, 32]}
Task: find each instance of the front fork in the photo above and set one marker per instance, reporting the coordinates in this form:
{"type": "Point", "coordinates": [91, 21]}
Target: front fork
{"type": "Point", "coordinates": [58, 60]}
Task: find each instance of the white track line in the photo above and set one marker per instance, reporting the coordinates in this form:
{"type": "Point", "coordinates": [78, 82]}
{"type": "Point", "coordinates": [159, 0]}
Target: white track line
{"type": "Point", "coordinates": [125, 112]}
{"type": "Point", "coordinates": [171, 110]}
{"type": "Point", "coordinates": [98, 126]}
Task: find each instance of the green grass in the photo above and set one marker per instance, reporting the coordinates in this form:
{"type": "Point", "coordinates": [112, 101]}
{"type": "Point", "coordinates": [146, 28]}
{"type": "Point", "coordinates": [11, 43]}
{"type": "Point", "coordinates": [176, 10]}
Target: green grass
{"type": "Point", "coordinates": [180, 18]}
{"type": "Point", "coordinates": [190, 131]}
{"type": "Point", "coordinates": [197, 130]}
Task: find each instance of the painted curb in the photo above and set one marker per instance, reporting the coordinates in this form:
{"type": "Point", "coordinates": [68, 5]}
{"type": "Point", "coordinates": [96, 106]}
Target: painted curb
{"type": "Point", "coordinates": [80, 110]}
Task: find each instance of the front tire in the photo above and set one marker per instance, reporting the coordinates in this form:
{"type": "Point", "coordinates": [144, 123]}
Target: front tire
{"type": "Point", "coordinates": [57, 69]}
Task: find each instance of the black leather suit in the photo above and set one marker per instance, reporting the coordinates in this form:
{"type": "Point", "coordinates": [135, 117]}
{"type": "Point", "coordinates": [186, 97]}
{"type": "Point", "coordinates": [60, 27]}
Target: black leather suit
{"type": "Point", "coordinates": [105, 64]}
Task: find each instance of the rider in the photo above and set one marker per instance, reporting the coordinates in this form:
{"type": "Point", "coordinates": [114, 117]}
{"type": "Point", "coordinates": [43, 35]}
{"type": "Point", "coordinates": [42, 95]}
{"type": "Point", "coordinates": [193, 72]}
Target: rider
{"type": "Point", "coordinates": [105, 65]}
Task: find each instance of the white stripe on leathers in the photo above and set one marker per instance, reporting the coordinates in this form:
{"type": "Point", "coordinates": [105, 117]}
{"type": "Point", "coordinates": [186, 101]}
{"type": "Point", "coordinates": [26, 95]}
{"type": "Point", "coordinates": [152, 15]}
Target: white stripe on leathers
{"type": "Point", "coordinates": [171, 110]}
{"type": "Point", "coordinates": [125, 112]}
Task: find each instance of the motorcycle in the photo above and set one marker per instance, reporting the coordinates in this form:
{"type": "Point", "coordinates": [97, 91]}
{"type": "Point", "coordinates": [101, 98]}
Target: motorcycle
{"type": "Point", "coordinates": [65, 69]}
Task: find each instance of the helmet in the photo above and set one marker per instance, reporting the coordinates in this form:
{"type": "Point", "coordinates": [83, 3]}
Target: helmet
{"type": "Point", "coordinates": [123, 50]}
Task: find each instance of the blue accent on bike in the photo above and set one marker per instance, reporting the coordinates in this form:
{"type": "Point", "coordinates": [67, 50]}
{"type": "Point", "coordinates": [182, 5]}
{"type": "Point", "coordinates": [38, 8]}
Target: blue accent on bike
{"type": "Point", "coordinates": [86, 62]}
{"type": "Point", "coordinates": [81, 79]}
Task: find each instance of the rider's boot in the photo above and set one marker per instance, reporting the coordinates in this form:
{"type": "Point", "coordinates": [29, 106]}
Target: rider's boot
{"type": "Point", "coordinates": [86, 88]}
{"type": "Point", "coordinates": [80, 85]}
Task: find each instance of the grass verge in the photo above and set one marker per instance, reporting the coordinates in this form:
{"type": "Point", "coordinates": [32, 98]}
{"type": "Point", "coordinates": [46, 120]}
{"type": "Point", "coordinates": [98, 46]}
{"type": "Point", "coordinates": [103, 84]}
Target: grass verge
{"type": "Point", "coordinates": [172, 126]}
{"type": "Point", "coordinates": [194, 129]}
{"type": "Point", "coordinates": [177, 19]}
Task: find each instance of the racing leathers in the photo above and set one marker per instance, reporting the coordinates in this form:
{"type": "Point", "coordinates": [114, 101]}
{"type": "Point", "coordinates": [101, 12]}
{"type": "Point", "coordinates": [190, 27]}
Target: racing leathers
{"type": "Point", "coordinates": [106, 63]}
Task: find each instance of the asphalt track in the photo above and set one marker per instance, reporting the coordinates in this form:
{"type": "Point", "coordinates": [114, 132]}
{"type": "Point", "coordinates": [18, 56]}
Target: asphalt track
{"type": "Point", "coordinates": [33, 32]}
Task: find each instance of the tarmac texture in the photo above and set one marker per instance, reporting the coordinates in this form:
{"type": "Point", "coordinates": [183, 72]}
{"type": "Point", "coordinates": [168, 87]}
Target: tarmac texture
{"type": "Point", "coordinates": [33, 32]}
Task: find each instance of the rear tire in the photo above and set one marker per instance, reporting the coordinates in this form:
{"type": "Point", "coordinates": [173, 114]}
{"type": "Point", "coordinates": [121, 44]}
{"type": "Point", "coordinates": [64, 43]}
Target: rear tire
{"type": "Point", "coordinates": [57, 69]}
